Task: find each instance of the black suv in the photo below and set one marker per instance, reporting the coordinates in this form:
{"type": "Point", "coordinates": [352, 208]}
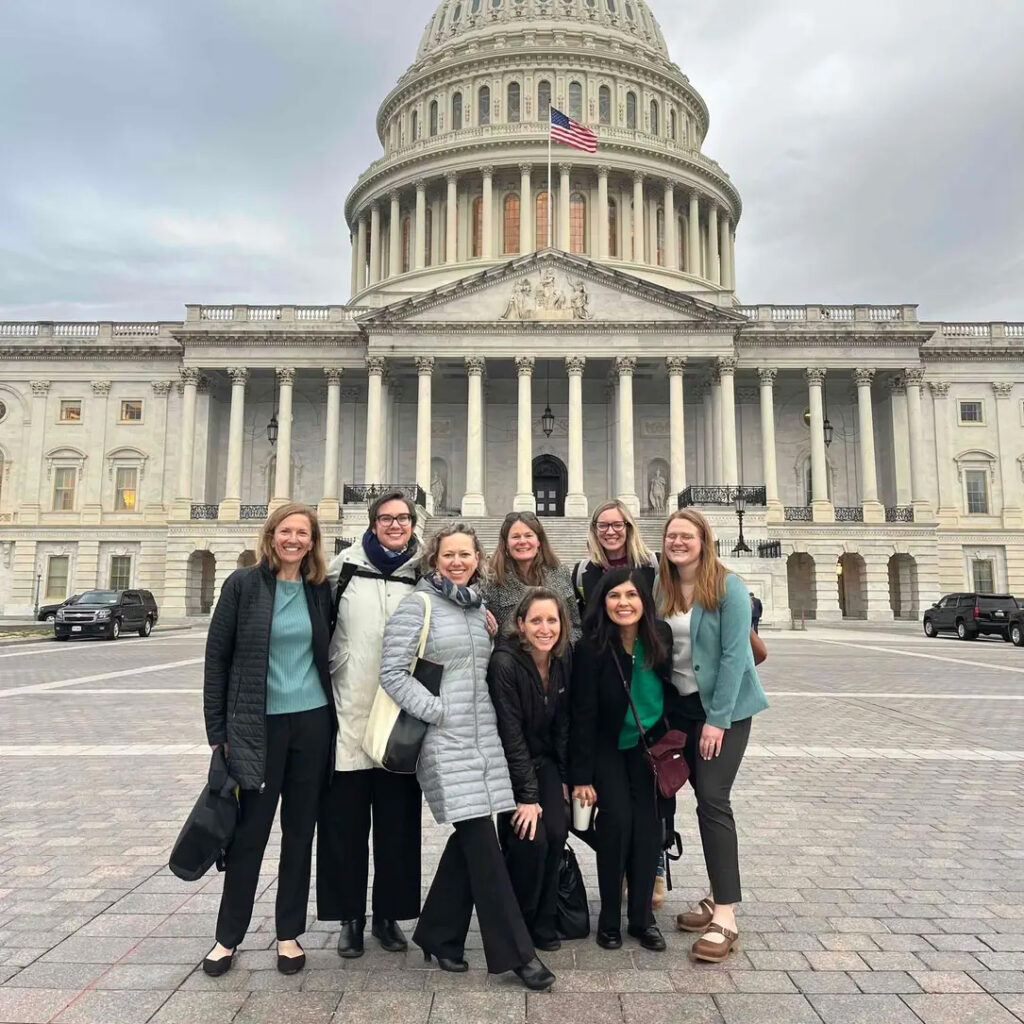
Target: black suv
{"type": "Point", "coordinates": [1017, 626]}
{"type": "Point", "coordinates": [107, 613]}
{"type": "Point", "coordinates": [48, 612]}
{"type": "Point", "coordinates": [971, 615]}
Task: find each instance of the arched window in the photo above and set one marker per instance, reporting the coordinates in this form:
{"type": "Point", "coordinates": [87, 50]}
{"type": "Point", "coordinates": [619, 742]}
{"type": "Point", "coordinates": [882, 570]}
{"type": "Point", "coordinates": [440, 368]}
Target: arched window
{"type": "Point", "coordinates": [543, 100]}
{"type": "Point", "coordinates": [457, 111]}
{"type": "Point", "coordinates": [511, 223]}
{"type": "Point", "coordinates": [604, 105]}
{"type": "Point", "coordinates": [631, 110]}
{"type": "Point", "coordinates": [577, 223]}
{"type": "Point", "coordinates": [483, 105]}
{"type": "Point", "coordinates": [415, 124]}
{"type": "Point", "coordinates": [478, 228]}
{"type": "Point", "coordinates": [660, 240]}
{"type": "Point", "coordinates": [406, 245]}
{"type": "Point", "coordinates": [672, 125]}
{"type": "Point", "coordinates": [613, 229]}
{"type": "Point", "coordinates": [610, 4]}
{"type": "Point", "coordinates": [654, 117]}
{"type": "Point", "coordinates": [475, 6]}
{"type": "Point", "coordinates": [429, 235]}
{"type": "Point", "coordinates": [433, 118]}
{"type": "Point", "coordinates": [576, 101]}
{"type": "Point", "coordinates": [457, 14]}
{"type": "Point", "coordinates": [513, 105]}
{"type": "Point", "coordinates": [541, 220]}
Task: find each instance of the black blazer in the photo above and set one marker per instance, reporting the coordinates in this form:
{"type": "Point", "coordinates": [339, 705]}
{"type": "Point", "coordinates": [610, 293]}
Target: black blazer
{"type": "Point", "coordinates": [600, 705]}
{"type": "Point", "coordinates": [237, 656]}
{"type": "Point", "coordinates": [587, 575]}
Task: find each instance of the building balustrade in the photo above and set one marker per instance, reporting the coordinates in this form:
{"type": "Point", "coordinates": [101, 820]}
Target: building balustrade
{"type": "Point", "coordinates": [366, 494]}
{"type": "Point", "coordinates": [833, 314]}
{"type": "Point", "coordinates": [286, 313]}
{"type": "Point", "coordinates": [899, 514]}
{"type": "Point", "coordinates": [719, 494]}
{"type": "Point", "coordinates": [203, 511]}
{"type": "Point", "coordinates": [797, 513]}
{"type": "Point", "coordinates": [253, 512]}
{"type": "Point", "coordinates": [850, 514]}
{"type": "Point", "coordinates": [725, 548]}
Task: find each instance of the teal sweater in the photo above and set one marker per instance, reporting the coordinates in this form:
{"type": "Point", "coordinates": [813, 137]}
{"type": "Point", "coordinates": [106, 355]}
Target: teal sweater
{"type": "Point", "coordinates": [293, 683]}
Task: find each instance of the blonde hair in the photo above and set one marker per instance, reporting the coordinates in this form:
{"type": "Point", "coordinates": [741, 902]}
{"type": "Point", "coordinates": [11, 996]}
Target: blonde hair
{"type": "Point", "coordinates": [428, 560]}
{"type": "Point", "coordinates": [313, 568]}
{"type": "Point", "coordinates": [637, 551]}
{"type": "Point", "coordinates": [502, 563]}
{"type": "Point", "coordinates": [709, 587]}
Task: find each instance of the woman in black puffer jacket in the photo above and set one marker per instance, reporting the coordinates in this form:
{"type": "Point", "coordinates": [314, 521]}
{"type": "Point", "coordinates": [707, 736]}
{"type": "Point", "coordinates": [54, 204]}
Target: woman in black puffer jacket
{"type": "Point", "coordinates": [528, 678]}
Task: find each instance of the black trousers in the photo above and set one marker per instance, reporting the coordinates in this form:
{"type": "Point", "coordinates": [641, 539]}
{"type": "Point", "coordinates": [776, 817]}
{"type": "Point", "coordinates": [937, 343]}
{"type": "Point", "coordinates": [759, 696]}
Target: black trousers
{"type": "Point", "coordinates": [627, 836]}
{"type": "Point", "coordinates": [394, 803]}
{"type": "Point", "coordinates": [712, 785]}
{"type": "Point", "coordinates": [471, 873]}
{"type": "Point", "coordinates": [298, 753]}
{"type": "Point", "coordinates": [533, 864]}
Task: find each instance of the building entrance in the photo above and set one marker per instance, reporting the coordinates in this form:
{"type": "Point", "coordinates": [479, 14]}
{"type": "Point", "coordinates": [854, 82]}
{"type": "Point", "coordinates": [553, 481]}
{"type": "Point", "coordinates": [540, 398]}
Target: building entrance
{"type": "Point", "coordinates": [550, 482]}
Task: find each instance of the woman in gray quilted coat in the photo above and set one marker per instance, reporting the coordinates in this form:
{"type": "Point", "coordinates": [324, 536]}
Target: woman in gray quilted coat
{"type": "Point", "coordinates": [462, 768]}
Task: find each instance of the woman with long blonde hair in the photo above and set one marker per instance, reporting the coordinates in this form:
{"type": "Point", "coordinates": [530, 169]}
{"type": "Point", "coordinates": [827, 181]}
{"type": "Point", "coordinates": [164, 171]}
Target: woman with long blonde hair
{"type": "Point", "coordinates": [708, 610]}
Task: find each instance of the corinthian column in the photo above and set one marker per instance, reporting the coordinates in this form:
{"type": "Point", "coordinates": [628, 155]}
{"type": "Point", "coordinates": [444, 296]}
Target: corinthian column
{"type": "Point", "coordinates": [575, 499]}
{"type": "Point", "coordinates": [283, 466]}
{"type": "Point", "coordinates": [602, 213]}
{"type": "Point", "coordinates": [693, 245]}
{"type": "Point", "coordinates": [451, 240]}
{"type": "Point", "coordinates": [526, 243]}
{"type": "Point", "coordinates": [1009, 468]}
{"type": "Point", "coordinates": [473, 503]}
{"type": "Point", "coordinates": [822, 509]}
{"type": "Point", "coordinates": [769, 466]}
{"type": "Point", "coordinates": [231, 505]}
{"type": "Point", "coordinates": [424, 370]}
{"type": "Point", "coordinates": [727, 375]}
{"type": "Point", "coordinates": [677, 425]}
{"type": "Point", "coordinates": [563, 242]}
{"type": "Point", "coordinates": [525, 500]}
{"type": "Point", "coordinates": [914, 378]}
{"type": "Point", "coordinates": [714, 269]}
{"type": "Point", "coordinates": [948, 501]}
{"type": "Point", "coordinates": [487, 214]}
{"type": "Point", "coordinates": [361, 254]}
{"type": "Point", "coordinates": [375, 264]}
{"type": "Point", "coordinates": [639, 235]}
{"type": "Point", "coordinates": [329, 504]}
{"type": "Point", "coordinates": [624, 367]}
{"type": "Point", "coordinates": [421, 224]}
{"type": "Point", "coordinates": [671, 246]}
{"type": "Point", "coordinates": [374, 392]}
{"type": "Point", "coordinates": [189, 388]}
{"type": "Point", "coordinates": [395, 236]}
{"type": "Point", "coordinates": [874, 511]}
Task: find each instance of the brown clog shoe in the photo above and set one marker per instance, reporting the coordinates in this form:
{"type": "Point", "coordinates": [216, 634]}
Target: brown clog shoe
{"type": "Point", "coordinates": [715, 952]}
{"type": "Point", "coordinates": [696, 920]}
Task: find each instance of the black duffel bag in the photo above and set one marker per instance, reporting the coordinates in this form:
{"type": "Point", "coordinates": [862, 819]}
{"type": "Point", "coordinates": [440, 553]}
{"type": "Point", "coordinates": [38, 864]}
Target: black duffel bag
{"type": "Point", "coordinates": [208, 830]}
{"type": "Point", "coordinates": [572, 915]}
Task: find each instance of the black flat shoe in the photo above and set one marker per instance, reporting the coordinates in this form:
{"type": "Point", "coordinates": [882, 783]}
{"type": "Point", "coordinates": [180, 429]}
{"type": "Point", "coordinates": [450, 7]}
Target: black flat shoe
{"type": "Point", "coordinates": [215, 968]}
{"type": "Point", "coordinates": [350, 941]}
{"type": "Point", "coordinates": [650, 937]}
{"type": "Point", "coordinates": [547, 945]}
{"type": "Point", "coordinates": [389, 935]}
{"type": "Point", "coordinates": [609, 939]}
{"type": "Point", "coordinates": [291, 964]}
{"type": "Point", "coordinates": [535, 976]}
{"type": "Point", "coordinates": [447, 964]}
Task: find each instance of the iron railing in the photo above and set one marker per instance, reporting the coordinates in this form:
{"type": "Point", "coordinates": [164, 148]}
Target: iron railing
{"type": "Point", "coordinates": [340, 543]}
{"type": "Point", "coordinates": [899, 514]}
{"type": "Point", "coordinates": [366, 494]}
{"type": "Point", "coordinates": [797, 513]}
{"type": "Point", "coordinates": [204, 512]}
{"type": "Point", "coordinates": [253, 512]}
{"type": "Point", "coordinates": [759, 549]}
{"type": "Point", "coordinates": [849, 513]}
{"type": "Point", "coordinates": [720, 494]}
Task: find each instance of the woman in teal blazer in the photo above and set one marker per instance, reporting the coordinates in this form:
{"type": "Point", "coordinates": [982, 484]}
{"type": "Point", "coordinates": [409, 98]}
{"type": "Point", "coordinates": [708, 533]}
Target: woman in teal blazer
{"type": "Point", "coordinates": [708, 610]}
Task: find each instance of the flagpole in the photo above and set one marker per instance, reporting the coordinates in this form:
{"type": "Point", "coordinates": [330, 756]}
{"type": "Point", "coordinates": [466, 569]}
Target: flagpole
{"type": "Point", "coordinates": [549, 204]}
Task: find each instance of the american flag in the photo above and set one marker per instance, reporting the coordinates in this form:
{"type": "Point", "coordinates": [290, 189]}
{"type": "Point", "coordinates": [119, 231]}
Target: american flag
{"type": "Point", "coordinates": [565, 129]}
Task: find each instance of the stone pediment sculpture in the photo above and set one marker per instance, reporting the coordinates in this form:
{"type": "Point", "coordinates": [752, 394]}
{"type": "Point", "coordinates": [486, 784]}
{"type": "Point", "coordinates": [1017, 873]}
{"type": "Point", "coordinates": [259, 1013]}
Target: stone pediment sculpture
{"type": "Point", "coordinates": [548, 301]}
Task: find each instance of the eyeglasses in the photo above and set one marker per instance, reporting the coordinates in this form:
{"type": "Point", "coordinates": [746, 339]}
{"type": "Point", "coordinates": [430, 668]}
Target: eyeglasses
{"type": "Point", "coordinates": [616, 527]}
{"type": "Point", "coordinates": [403, 519]}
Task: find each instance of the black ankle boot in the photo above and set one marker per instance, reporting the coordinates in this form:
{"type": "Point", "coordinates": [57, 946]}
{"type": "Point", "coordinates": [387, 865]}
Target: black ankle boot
{"type": "Point", "coordinates": [350, 941]}
{"type": "Point", "coordinates": [390, 936]}
{"type": "Point", "coordinates": [535, 976]}
{"type": "Point", "coordinates": [447, 963]}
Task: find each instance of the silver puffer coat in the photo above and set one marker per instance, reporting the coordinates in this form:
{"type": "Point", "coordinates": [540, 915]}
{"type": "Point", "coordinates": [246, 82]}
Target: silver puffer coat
{"type": "Point", "coordinates": [462, 768]}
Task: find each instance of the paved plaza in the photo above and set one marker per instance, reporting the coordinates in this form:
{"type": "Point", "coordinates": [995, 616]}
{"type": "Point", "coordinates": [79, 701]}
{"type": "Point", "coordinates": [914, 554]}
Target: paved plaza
{"type": "Point", "coordinates": [881, 829]}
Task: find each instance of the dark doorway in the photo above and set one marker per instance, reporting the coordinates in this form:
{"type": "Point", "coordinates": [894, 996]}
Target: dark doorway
{"type": "Point", "coordinates": [550, 482]}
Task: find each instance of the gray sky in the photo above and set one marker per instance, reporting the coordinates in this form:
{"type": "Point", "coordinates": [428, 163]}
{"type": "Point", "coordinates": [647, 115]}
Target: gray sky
{"type": "Point", "coordinates": [158, 152]}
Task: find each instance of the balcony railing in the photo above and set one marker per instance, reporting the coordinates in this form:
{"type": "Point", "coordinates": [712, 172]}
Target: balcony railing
{"type": "Point", "coordinates": [204, 512]}
{"type": "Point", "coordinates": [849, 513]}
{"type": "Point", "coordinates": [797, 513]}
{"type": "Point", "coordinates": [756, 549]}
{"type": "Point", "coordinates": [719, 494]}
{"type": "Point", "coordinates": [340, 543]}
{"type": "Point", "coordinates": [366, 494]}
{"type": "Point", "coordinates": [899, 514]}
{"type": "Point", "coordinates": [253, 512]}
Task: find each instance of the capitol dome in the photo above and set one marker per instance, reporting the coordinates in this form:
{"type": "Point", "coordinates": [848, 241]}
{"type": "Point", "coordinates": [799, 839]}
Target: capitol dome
{"type": "Point", "coordinates": [463, 182]}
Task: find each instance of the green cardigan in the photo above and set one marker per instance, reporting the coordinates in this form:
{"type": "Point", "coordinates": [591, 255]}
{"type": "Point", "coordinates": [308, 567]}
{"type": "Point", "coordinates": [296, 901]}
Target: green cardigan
{"type": "Point", "coordinates": [723, 662]}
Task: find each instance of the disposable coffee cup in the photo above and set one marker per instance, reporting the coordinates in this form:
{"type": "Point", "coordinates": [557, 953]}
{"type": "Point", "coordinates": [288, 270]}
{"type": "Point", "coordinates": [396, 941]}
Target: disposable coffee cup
{"type": "Point", "coordinates": [581, 815]}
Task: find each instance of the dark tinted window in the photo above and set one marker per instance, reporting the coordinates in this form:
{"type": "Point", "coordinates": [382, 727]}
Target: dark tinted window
{"type": "Point", "coordinates": [100, 597]}
{"type": "Point", "coordinates": [131, 599]}
{"type": "Point", "coordinates": [990, 603]}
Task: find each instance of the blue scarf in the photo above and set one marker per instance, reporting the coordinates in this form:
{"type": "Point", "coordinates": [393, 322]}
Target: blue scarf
{"type": "Point", "coordinates": [383, 559]}
{"type": "Point", "coordinates": [463, 596]}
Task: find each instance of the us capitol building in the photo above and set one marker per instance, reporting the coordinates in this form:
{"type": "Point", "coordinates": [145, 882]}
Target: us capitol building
{"type": "Point", "coordinates": [880, 457]}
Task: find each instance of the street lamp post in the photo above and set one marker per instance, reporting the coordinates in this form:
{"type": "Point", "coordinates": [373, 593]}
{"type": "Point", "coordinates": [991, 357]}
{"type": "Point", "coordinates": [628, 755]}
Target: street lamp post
{"type": "Point", "coordinates": [39, 577]}
{"type": "Point", "coordinates": [739, 500]}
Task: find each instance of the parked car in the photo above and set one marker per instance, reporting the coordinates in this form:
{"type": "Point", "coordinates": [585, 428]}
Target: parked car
{"type": "Point", "coordinates": [1017, 626]}
{"type": "Point", "coordinates": [971, 615]}
{"type": "Point", "coordinates": [48, 612]}
{"type": "Point", "coordinates": [107, 613]}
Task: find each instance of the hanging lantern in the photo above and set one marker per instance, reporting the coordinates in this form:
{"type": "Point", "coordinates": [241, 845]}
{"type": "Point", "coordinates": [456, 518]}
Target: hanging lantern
{"type": "Point", "coordinates": [547, 421]}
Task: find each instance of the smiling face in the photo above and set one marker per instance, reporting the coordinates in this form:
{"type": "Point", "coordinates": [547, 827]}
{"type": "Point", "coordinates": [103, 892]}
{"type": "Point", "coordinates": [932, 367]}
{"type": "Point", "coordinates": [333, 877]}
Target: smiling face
{"type": "Point", "coordinates": [522, 543]}
{"type": "Point", "coordinates": [457, 558]}
{"type": "Point", "coordinates": [293, 540]}
{"type": "Point", "coordinates": [394, 525]}
{"type": "Point", "coordinates": [612, 531]}
{"type": "Point", "coordinates": [542, 625]}
{"type": "Point", "coordinates": [624, 604]}
{"type": "Point", "coordinates": [683, 544]}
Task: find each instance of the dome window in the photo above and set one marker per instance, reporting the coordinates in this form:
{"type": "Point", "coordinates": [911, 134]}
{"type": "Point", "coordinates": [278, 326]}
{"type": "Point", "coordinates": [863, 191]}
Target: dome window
{"type": "Point", "coordinates": [577, 223]}
{"type": "Point", "coordinates": [483, 105]}
{"type": "Point", "coordinates": [611, 6]}
{"type": "Point", "coordinates": [604, 105]}
{"type": "Point", "coordinates": [631, 110]}
{"type": "Point", "coordinates": [457, 14]}
{"type": "Point", "coordinates": [475, 7]}
{"type": "Point", "coordinates": [629, 12]}
{"type": "Point", "coordinates": [457, 111]}
{"type": "Point", "coordinates": [590, 3]}
{"type": "Point", "coordinates": [512, 106]}
{"type": "Point", "coordinates": [433, 118]}
{"type": "Point", "coordinates": [496, 4]}
{"type": "Point", "coordinates": [543, 100]}
{"type": "Point", "coordinates": [576, 101]}
{"type": "Point", "coordinates": [415, 126]}
{"type": "Point", "coordinates": [655, 123]}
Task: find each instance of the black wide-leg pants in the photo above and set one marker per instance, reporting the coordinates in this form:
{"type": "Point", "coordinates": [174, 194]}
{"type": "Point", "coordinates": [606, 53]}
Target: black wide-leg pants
{"type": "Point", "coordinates": [298, 753]}
{"type": "Point", "coordinates": [471, 873]}
{"type": "Point", "coordinates": [393, 803]}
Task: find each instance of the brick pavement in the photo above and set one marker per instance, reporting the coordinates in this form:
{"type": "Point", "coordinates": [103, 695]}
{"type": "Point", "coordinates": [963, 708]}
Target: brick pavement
{"type": "Point", "coordinates": [881, 833]}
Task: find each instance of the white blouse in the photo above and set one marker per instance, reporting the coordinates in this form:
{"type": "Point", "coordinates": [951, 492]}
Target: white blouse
{"type": "Point", "coordinates": [683, 677]}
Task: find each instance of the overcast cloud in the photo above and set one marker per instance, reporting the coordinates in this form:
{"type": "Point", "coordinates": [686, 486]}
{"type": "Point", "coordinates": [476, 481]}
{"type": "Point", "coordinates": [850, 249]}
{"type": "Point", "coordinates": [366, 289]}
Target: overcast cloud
{"type": "Point", "coordinates": [158, 152]}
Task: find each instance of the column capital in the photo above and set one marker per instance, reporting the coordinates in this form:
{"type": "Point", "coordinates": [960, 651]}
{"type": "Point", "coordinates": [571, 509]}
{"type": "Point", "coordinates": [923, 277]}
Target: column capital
{"type": "Point", "coordinates": [376, 365]}
{"type": "Point", "coordinates": [914, 376]}
{"type": "Point", "coordinates": [726, 365]}
{"type": "Point", "coordinates": [668, 184]}
{"type": "Point", "coordinates": [424, 365]}
{"type": "Point", "coordinates": [565, 168]}
{"type": "Point", "coordinates": [475, 366]}
{"type": "Point", "coordinates": [238, 374]}
{"type": "Point", "coordinates": [190, 375]}
{"type": "Point", "coordinates": [939, 388]}
{"type": "Point", "coordinates": [574, 365]}
{"type": "Point", "coordinates": [603, 170]}
{"type": "Point", "coordinates": [487, 170]}
{"type": "Point", "coordinates": [625, 365]}
{"type": "Point", "coordinates": [767, 374]}
{"type": "Point", "coordinates": [638, 177]}
{"type": "Point", "coordinates": [695, 197]}
{"type": "Point", "coordinates": [675, 365]}
{"type": "Point", "coordinates": [205, 385]}
{"type": "Point", "coordinates": [421, 185]}
{"type": "Point", "coordinates": [526, 168]}
{"type": "Point", "coordinates": [815, 375]}
{"type": "Point", "coordinates": [864, 377]}
{"type": "Point", "coordinates": [524, 365]}
{"type": "Point", "coordinates": [1003, 389]}
{"type": "Point", "coordinates": [285, 374]}
{"type": "Point", "coordinates": [101, 388]}
{"type": "Point", "coordinates": [394, 195]}
{"type": "Point", "coordinates": [451, 177]}
{"type": "Point", "coordinates": [897, 385]}
{"type": "Point", "coordinates": [333, 374]}
{"type": "Point", "coordinates": [162, 387]}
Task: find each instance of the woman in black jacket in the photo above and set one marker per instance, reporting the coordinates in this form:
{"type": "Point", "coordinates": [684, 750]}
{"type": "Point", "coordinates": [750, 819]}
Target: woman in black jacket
{"type": "Point", "coordinates": [267, 700]}
{"type": "Point", "coordinates": [624, 646]}
{"type": "Point", "coordinates": [528, 678]}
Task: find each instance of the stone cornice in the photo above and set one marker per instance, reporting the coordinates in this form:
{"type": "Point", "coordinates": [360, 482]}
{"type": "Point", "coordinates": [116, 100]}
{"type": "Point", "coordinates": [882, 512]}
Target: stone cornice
{"type": "Point", "coordinates": [261, 338]}
{"type": "Point", "coordinates": [79, 353]}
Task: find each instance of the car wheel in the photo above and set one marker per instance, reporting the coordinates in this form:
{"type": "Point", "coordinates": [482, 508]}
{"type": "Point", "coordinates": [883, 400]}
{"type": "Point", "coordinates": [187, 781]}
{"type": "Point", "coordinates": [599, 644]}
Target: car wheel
{"type": "Point", "coordinates": [147, 628]}
{"type": "Point", "coordinates": [50, 617]}
{"type": "Point", "coordinates": [115, 629]}
{"type": "Point", "coordinates": [929, 628]}
{"type": "Point", "coordinates": [1005, 636]}
{"type": "Point", "coordinates": [963, 632]}
{"type": "Point", "coordinates": [1017, 635]}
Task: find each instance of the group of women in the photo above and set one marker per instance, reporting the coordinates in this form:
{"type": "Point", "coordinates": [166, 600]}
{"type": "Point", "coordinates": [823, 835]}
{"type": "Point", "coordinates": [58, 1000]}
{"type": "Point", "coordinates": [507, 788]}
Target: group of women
{"type": "Point", "coordinates": [553, 681]}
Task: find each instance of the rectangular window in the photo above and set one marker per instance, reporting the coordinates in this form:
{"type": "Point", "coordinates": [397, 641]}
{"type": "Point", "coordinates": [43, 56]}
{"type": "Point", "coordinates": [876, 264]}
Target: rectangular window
{"type": "Point", "coordinates": [64, 479]}
{"type": "Point", "coordinates": [70, 410]}
{"type": "Point", "coordinates": [972, 412]}
{"type": "Point", "coordinates": [131, 410]}
{"type": "Point", "coordinates": [57, 577]}
{"type": "Point", "coordinates": [984, 577]}
{"type": "Point", "coordinates": [120, 572]}
{"type": "Point", "coordinates": [126, 489]}
{"type": "Point", "coordinates": [976, 481]}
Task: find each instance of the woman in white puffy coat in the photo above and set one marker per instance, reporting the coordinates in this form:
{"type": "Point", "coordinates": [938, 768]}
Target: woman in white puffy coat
{"type": "Point", "coordinates": [462, 767]}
